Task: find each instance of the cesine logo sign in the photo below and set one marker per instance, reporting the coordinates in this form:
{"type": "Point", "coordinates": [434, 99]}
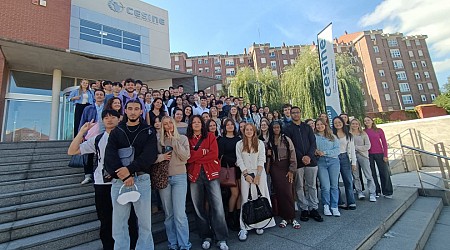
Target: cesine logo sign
{"type": "Point", "coordinates": [115, 6]}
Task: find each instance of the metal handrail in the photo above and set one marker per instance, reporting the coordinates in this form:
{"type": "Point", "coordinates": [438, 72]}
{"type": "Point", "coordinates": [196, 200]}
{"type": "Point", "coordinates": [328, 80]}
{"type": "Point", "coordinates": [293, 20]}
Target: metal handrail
{"type": "Point", "coordinates": [408, 129]}
{"type": "Point", "coordinates": [441, 167]}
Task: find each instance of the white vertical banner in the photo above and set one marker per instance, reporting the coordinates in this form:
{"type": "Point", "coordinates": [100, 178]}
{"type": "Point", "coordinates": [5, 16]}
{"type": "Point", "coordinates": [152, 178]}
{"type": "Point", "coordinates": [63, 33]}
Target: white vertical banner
{"type": "Point", "coordinates": [328, 70]}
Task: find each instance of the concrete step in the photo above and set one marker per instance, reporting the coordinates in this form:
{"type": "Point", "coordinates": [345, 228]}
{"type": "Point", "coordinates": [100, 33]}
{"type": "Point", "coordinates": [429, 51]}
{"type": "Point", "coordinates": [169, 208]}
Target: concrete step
{"type": "Point", "coordinates": [26, 159]}
{"type": "Point", "coordinates": [34, 209]}
{"type": "Point", "coordinates": [42, 224]}
{"type": "Point", "coordinates": [33, 145]}
{"type": "Point", "coordinates": [412, 230]}
{"type": "Point", "coordinates": [42, 194]}
{"type": "Point", "coordinates": [439, 237]}
{"type": "Point", "coordinates": [35, 151]}
{"type": "Point", "coordinates": [38, 172]}
{"type": "Point", "coordinates": [44, 182]}
{"type": "Point", "coordinates": [59, 239]}
{"type": "Point", "coordinates": [50, 162]}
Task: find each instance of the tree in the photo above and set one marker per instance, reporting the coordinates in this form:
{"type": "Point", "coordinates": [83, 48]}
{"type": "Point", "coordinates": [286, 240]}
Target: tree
{"type": "Point", "coordinates": [443, 100]}
{"type": "Point", "coordinates": [302, 85]}
{"type": "Point", "coordinates": [257, 86]}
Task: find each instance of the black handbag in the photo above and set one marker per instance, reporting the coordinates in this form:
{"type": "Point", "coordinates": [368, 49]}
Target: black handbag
{"type": "Point", "coordinates": [254, 211]}
{"type": "Point", "coordinates": [78, 161]}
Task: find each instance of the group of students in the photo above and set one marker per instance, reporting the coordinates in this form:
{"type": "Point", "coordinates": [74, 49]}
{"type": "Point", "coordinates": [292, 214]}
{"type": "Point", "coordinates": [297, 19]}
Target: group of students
{"type": "Point", "coordinates": [198, 134]}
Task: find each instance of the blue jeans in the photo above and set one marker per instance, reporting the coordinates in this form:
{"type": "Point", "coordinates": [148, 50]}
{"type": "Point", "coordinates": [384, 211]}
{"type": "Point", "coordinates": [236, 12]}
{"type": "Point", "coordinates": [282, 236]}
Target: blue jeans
{"type": "Point", "coordinates": [329, 177]}
{"type": "Point", "coordinates": [347, 177]}
{"type": "Point", "coordinates": [121, 213]}
{"type": "Point", "coordinates": [213, 225]}
{"type": "Point", "coordinates": [173, 199]}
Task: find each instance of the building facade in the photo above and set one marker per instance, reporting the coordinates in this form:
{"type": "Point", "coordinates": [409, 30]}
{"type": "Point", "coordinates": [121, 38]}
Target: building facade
{"type": "Point", "coordinates": [396, 71]}
{"type": "Point", "coordinates": [48, 47]}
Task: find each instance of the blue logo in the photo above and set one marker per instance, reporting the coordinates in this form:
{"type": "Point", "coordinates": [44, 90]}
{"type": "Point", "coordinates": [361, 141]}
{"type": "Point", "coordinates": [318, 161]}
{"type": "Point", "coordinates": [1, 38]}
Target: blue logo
{"type": "Point", "coordinates": [115, 6]}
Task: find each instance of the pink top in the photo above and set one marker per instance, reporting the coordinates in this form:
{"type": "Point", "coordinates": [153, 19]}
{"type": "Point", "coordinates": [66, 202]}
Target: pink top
{"type": "Point", "coordinates": [377, 141]}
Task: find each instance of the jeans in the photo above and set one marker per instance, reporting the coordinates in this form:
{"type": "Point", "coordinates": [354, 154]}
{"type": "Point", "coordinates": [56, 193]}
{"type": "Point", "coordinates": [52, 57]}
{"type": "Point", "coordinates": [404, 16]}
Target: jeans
{"type": "Point", "coordinates": [363, 164]}
{"type": "Point", "coordinates": [307, 199]}
{"type": "Point", "coordinates": [213, 224]}
{"type": "Point", "coordinates": [329, 177]}
{"type": "Point", "coordinates": [383, 170]}
{"type": "Point", "coordinates": [121, 213]}
{"type": "Point", "coordinates": [173, 199]}
{"type": "Point", "coordinates": [346, 173]}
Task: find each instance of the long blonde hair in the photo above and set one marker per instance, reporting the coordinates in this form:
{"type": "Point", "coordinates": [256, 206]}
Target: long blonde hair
{"type": "Point", "coordinates": [360, 130]}
{"type": "Point", "coordinates": [247, 147]}
{"type": "Point", "coordinates": [327, 132]}
{"type": "Point", "coordinates": [176, 135]}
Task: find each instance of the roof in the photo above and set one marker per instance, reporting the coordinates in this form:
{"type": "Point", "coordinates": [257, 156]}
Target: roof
{"type": "Point", "coordinates": [348, 38]}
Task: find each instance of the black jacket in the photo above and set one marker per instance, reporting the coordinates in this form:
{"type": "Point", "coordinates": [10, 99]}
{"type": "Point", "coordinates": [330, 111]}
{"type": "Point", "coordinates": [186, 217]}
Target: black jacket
{"type": "Point", "coordinates": [304, 142]}
{"type": "Point", "coordinates": [145, 149]}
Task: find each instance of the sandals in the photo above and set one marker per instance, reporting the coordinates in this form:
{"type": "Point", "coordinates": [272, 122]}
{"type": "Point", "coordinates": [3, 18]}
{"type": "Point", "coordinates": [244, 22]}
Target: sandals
{"type": "Point", "coordinates": [283, 224]}
{"type": "Point", "coordinates": [295, 224]}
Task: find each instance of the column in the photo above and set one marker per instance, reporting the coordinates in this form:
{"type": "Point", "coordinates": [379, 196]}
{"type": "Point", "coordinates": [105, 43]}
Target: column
{"type": "Point", "coordinates": [195, 83]}
{"type": "Point", "coordinates": [54, 117]}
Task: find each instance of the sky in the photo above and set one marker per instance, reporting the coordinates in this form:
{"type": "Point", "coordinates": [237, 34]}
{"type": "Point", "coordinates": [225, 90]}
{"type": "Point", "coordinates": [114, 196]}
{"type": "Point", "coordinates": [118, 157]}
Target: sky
{"type": "Point", "coordinates": [197, 27]}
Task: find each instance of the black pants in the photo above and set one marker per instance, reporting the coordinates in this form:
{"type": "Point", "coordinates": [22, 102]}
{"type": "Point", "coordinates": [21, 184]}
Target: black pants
{"type": "Point", "coordinates": [383, 170]}
{"type": "Point", "coordinates": [89, 167]}
{"type": "Point", "coordinates": [104, 208]}
{"type": "Point", "coordinates": [78, 112]}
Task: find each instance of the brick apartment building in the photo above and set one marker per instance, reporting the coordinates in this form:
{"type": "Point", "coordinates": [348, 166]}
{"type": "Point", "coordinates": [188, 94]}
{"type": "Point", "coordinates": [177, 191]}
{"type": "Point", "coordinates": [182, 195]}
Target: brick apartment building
{"type": "Point", "coordinates": [396, 71]}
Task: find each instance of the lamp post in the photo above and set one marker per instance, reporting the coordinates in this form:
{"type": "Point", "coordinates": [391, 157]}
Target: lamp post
{"type": "Point", "coordinates": [260, 94]}
{"type": "Point", "coordinates": [398, 98]}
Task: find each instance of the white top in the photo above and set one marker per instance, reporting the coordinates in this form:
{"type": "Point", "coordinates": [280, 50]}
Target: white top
{"type": "Point", "coordinates": [250, 161]}
{"type": "Point", "coordinates": [85, 97]}
{"type": "Point", "coordinates": [199, 110]}
{"type": "Point", "coordinates": [88, 147]}
{"type": "Point", "coordinates": [348, 146]}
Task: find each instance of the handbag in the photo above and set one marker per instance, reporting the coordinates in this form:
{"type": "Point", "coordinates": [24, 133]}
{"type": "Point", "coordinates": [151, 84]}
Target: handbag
{"type": "Point", "coordinates": [78, 161]}
{"type": "Point", "coordinates": [159, 175]}
{"type": "Point", "coordinates": [254, 211]}
{"type": "Point", "coordinates": [227, 176]}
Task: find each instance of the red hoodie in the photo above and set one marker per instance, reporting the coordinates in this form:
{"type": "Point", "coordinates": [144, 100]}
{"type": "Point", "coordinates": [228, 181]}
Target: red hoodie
{"type": "Point", "coordinates": [209, 162]}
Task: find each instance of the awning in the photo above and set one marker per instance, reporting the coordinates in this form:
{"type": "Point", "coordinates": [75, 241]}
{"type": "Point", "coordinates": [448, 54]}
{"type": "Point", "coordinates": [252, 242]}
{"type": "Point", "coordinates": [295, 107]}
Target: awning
{"type": "Point", "coordinates": [24, 56]}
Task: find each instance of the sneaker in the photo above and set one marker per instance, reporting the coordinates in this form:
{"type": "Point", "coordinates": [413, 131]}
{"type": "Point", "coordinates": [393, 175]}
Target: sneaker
{"type": "Point", "coordinates": [343, 206]}
{"type": "Point", "coordinates": [326, 210]}
{"type": "Point", "coordinates": [361, 196]}
{"type": "Point", "coordinates": [315, 215]}
{"type": "Point", "coordinates": [222, 245]}
{"type": "Point", "coordinates": [352, 206]}
{"type": "Point", "coordinates": [86, 180]}
{"type": "Point", "coordinates": [242, 235]}
{"type": "Point", "coordinates": [388, 196]}
{"type": "Point", "coordinates": [372, 198]}
{"type": "Point", "coordinates": [336, 212]}
{"type": "Point", "coordinates": [378, 195]}
{"type": "Point", "coordinates": [206, 243]}
{"type": "Point", "coordinates": [259, 231]}
{"type": "Point", "coordinates": [304, 216]}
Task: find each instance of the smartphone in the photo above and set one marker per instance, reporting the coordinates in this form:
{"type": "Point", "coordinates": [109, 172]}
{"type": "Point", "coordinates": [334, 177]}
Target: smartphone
{"type": "Point", "coordinates": [168, 149]}
{"type": "Point", "coordinates": [252, 175]}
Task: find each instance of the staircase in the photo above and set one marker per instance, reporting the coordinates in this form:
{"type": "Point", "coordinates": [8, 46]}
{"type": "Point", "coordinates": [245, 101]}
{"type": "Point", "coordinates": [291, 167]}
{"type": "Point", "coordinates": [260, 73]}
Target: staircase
{"type": "Point", "coordinates": [42, 203]}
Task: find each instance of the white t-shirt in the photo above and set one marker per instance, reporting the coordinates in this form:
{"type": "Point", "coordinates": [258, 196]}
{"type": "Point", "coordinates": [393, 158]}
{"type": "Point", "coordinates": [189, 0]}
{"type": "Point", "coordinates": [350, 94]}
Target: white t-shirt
{"type": "Point", "coordinates": [88, 147]}
{"type": "Point", "coordinates": [85, 97]}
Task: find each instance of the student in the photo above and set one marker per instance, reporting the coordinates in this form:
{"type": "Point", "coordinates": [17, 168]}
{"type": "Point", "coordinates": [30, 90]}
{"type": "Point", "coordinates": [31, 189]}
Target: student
{"type": "Point", "coordinates": [116, 89]}
{"type": "Point", "coordinates": [246, 116]}
{"type": "Point", "coordinates": [202, 108]}
{"type": "Point", "coordinates": [304, 141]}
{"type": "Point", "coordinates": [174, 148]}
{"type": "Point", "coordinates": [378, 155]}
{"type": "Point", "coordinates": [132, 132]}
{"type": "Point", "coordinates": [287, 119]}
{"type": "Point", "coordinates": [251, 156]}
{"type": "Point", "coordinates": [81, 98]}
{"type": "Point", "coordinates": [157, 110]}
{"type": "Point", "coordinates": [187, 114]}
{"type": "Point", "coordinates": [180, 125]}
{"type": "Point", "coordinates": [328, 164]}
{"type": "Point", "coordinates": [107, 87]}
{"type": "Point", "coordinates": [227, 154]}
{"type": "Point", "coordinates": [203, 172]}
{"type": "Point", "coordinates": [212, 127]}
{"type": "Point", "coordinates": [347, 161]}
{"type": "Point", "coordinates": [362, 146]}
{"type": "Point", "coordinates": [129, 93]}
{"type": "Point", "coordinates": [116, 104]}
{"type": "Point", "coordinates": [283, 165]}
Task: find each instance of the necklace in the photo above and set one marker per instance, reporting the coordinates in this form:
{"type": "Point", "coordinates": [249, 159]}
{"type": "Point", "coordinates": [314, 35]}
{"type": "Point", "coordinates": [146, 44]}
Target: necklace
{"type": "Point", "coordinates": [131, 132]}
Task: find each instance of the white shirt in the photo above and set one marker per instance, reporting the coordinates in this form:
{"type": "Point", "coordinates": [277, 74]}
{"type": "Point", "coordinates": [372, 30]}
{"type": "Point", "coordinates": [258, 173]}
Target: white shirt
{"type": "Point", "coordinates": [348, 146]}
{"type": "Point", "coordinates": [199, 110]}
{"type": "Point", "coordinates": [88, 147]}
{"type": "Point", "coordinates": [250, 161]}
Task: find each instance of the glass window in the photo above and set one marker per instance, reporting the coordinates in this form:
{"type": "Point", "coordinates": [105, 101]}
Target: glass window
{"type": "Point", "coordinates": [132, 48]}
{"type": "Point", "coordinates": [407, 99]}
{"type": "Point", "coordinates": [112, 30]}
{"type": "Point", "coordinates": [114, 38]}
{"type": "Point", "coordinates": [404, 87]}
{"type": "Point", "coordinates": [90, 24]}
{"type": "Point", "coordinates": [90, 38]}
{"type": "Point", "coordinates": [423, 97]}
{"type": "Point", "coordinates": [112, 43]}
{"type": "Point", "coordinates": [131, 36]}
{"type": "Point", "coordinates": [131, 42]}
{"type": "Point", "coordinates": [387, 97]}
{"type": "Point", "coordinates": [414, 64]}
{"type": "Point", "coordinates": [420, 86]}
{"type": "Point", "coordinates": [420, 52]}
{"type": "Point", "coordinates": [381, 72]}
{"type": "Point", "coordinates": [401, 75]}
{"type": "Point", "coordinates": [385, 85]}
{"type": "Point", "coordinates": [429, 85]}
{"type": "Point", "coordinates": [395, 53]}
{"type": "Point", "coordinates": [27, 121]}
{"type": "Point", "coordinates": [88, 31]}
{"type": "Point", "coordinates": [392, 42]}
{"type": "Point", "coordinates": [375, 49]}
{"type": "Point", "coordinates": [433, 97]}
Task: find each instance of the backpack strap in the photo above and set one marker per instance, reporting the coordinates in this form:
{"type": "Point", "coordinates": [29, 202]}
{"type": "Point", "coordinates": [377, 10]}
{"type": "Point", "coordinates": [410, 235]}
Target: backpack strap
{"type": "Point", "coordinates": [96, 142]}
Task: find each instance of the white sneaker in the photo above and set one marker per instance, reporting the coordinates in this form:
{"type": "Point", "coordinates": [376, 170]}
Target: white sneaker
{"type": "Point", "coordinates": [86, 180]}
{"type": "Point", "coordinates": [361, 196]}
{"type": "Point", "coordinates": [206, 243]}
{"type": "Point", "coordinates": [259, 231]}
{"type": "Point", "coordinates": [388, 196]}
{"type": "Point", "coordinates": [222, 245]}
{"type": "Point", "coordinates": [336, 212]}
{"type": "Point", "coordinates": [372, 198]}
{"type": "Point", "coordinates": [242, 235]}
{"type": "Point", "coordinates": [326, 210]}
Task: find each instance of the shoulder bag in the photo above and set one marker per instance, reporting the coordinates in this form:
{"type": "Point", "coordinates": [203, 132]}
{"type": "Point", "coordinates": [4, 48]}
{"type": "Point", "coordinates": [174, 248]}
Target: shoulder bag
{"type": "Point", "coordinates": [254, 211]}
{"type": "Point", "coordinates": [227, 175]}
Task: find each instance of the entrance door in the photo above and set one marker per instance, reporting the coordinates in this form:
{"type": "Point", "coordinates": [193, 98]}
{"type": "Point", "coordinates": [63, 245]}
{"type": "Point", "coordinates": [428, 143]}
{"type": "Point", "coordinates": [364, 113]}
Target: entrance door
{"type": "Point", "coordinates": [66, 115]}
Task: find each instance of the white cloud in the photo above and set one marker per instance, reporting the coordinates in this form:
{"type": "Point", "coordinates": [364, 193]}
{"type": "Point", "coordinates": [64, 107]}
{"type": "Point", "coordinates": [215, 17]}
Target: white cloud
{"type": "Point", "coordinates": [416, 17]}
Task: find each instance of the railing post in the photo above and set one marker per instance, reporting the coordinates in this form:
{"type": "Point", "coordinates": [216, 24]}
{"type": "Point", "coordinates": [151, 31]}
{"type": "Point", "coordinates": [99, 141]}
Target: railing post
{"type": "Point", "coordinates": [414, 153]}
{"type": "Point", "coordinates": [403, 153]}
{"type": "Point", "coordinates": [419, 137]}
{"type": "Point", "coordinates": [444, 153]}
{"type": "Point", "coordinates": [441, 166]}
